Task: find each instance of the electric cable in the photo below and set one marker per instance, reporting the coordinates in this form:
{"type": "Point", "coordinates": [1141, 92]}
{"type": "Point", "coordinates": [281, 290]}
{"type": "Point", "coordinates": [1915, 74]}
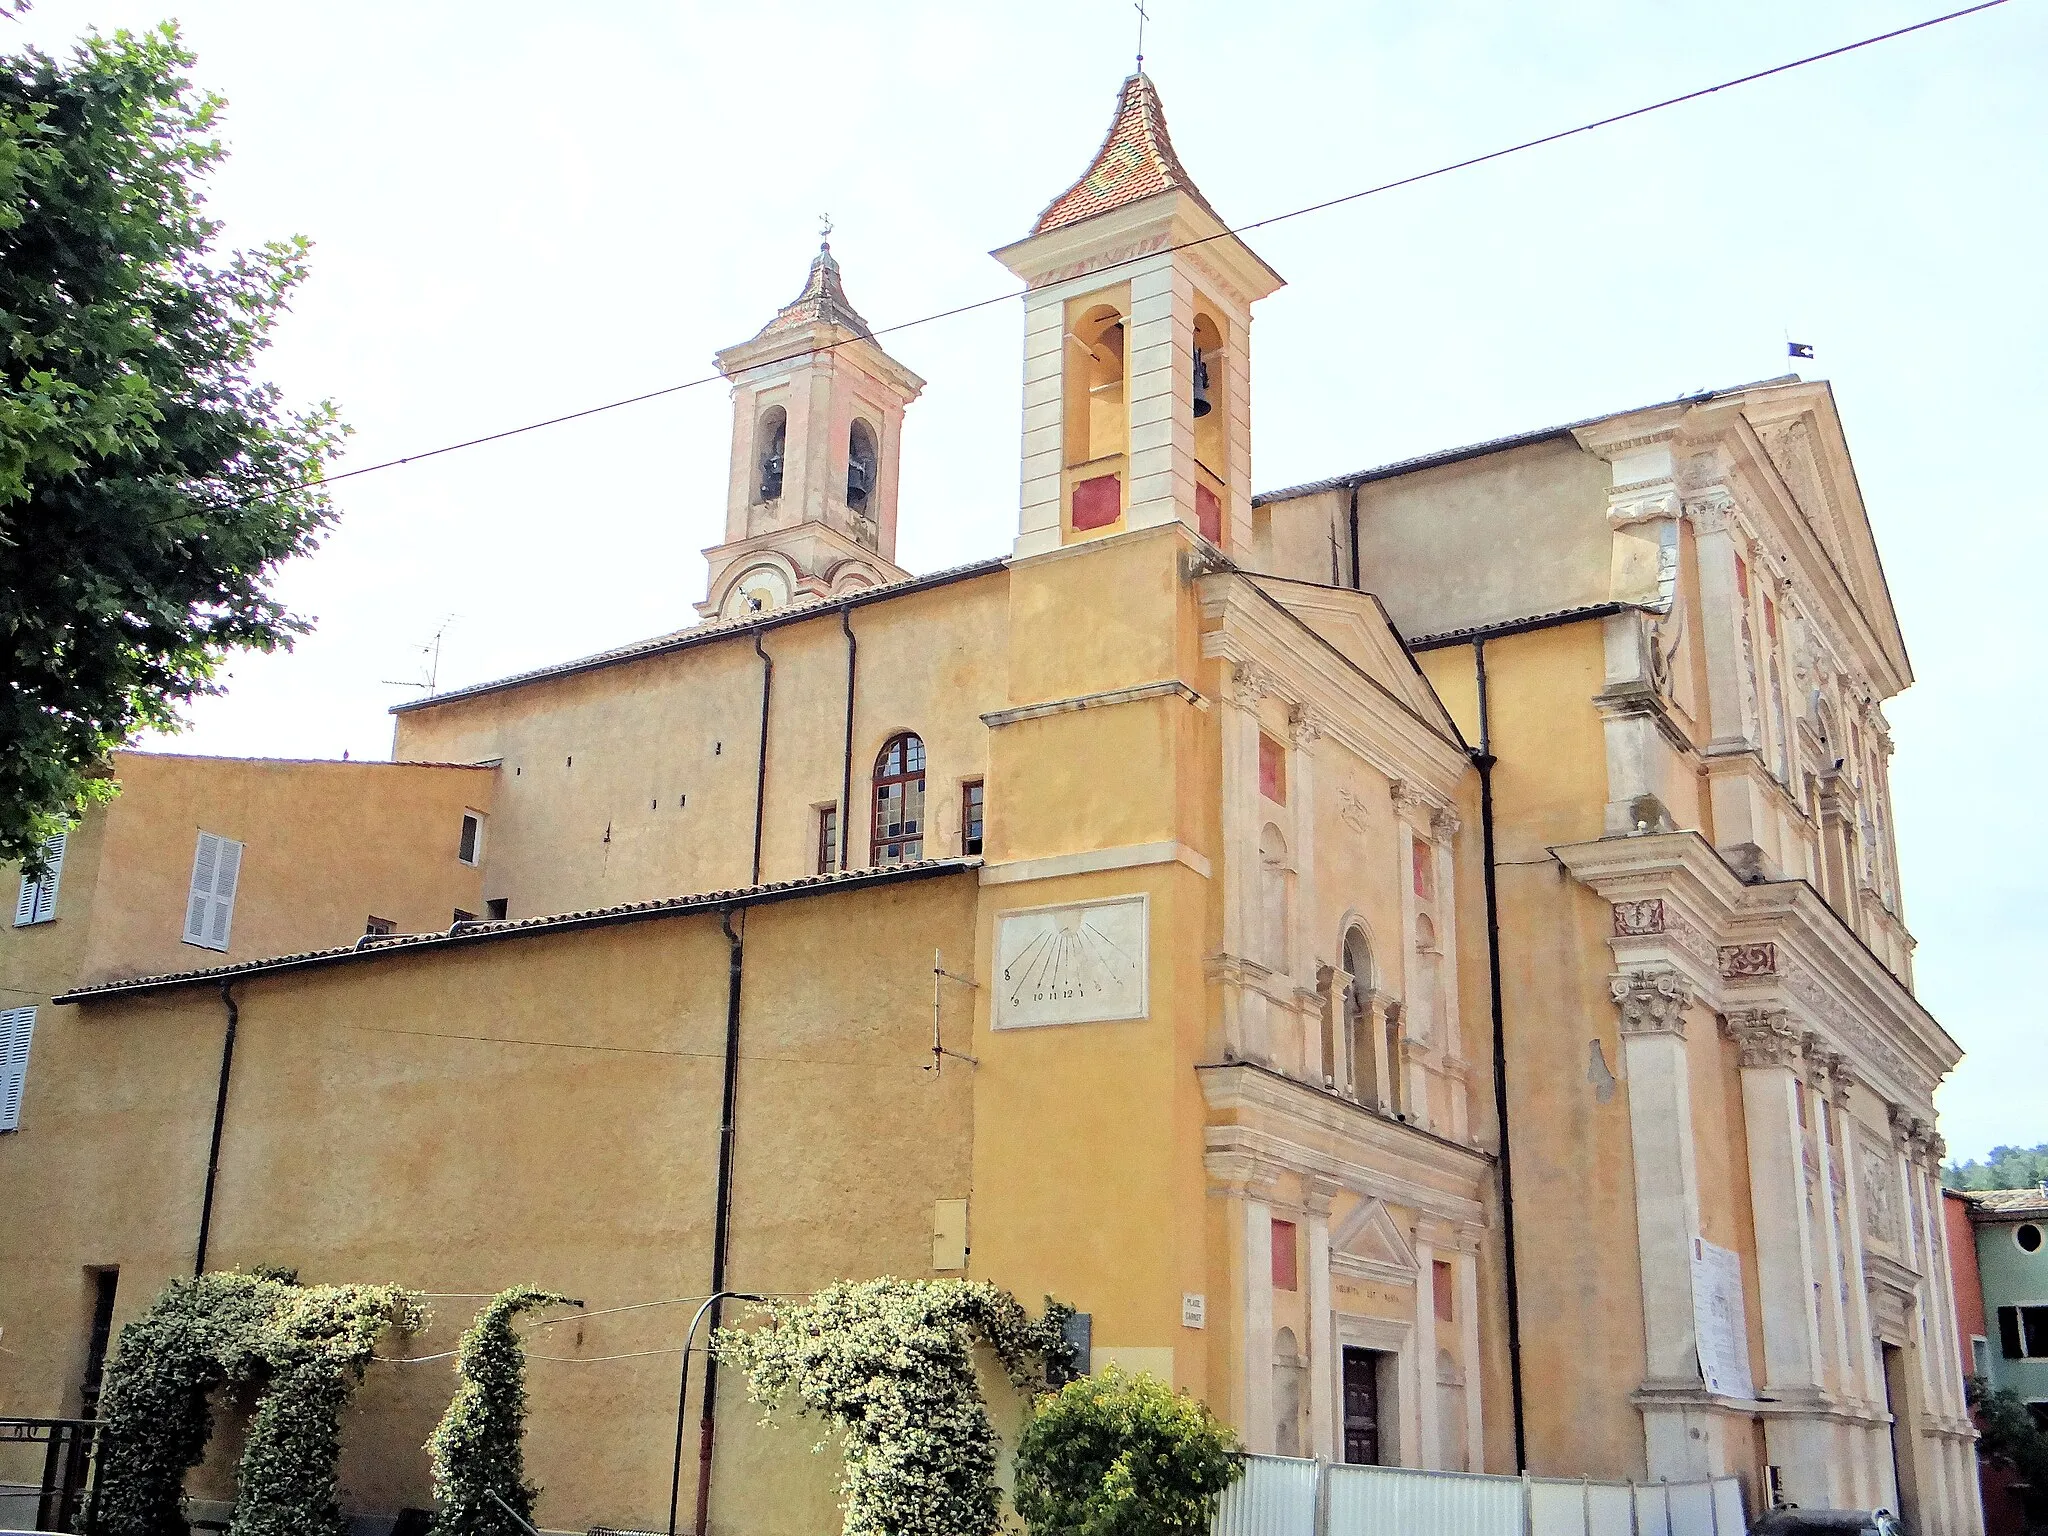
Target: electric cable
{"type": "Point", "coordinates": [1265, 223]}
{"type": "Point", "coordinates": [634, 1050]}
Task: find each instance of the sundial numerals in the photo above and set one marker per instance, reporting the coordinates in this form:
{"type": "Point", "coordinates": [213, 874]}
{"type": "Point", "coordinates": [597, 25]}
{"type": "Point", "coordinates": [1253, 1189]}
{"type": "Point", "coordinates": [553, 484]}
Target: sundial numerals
{"type": "Point", "coordinates": [1072, 964]}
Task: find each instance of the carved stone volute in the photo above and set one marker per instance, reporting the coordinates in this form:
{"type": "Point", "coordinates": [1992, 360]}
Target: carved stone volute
{"type": "Point", "coordinates": [1766, 1036]}
{"type": "Point", "coordinates": [1651, 1002]}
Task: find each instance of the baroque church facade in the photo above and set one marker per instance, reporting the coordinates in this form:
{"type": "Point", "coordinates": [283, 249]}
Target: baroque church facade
{"type": "Point", "coordinates": [1416, 958]}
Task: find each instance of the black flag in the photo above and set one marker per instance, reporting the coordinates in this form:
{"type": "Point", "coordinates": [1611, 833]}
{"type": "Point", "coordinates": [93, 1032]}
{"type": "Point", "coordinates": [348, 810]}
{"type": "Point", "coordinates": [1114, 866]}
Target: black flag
{"type": "Point", "coordinates": [1799, 348]}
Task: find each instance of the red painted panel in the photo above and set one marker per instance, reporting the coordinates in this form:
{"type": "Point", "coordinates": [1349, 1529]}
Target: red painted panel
{"type": "Point", "coordinates": [1272, 769]}
{"type": "Point", "coordinates": [1098, 502]}
{"type": "Point", "coordinates": [1284, 1270]}
{"type": "Point", "coordinates": [1425, 868]}
{"type": "Point", "coordinates": [1440, 1282]}
{"type": "Point", "coordinates": [1209, 514]}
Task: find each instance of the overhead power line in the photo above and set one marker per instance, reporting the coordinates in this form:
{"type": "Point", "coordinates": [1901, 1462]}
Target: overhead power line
{"type": "Point", "coordinates": [1240, 229]}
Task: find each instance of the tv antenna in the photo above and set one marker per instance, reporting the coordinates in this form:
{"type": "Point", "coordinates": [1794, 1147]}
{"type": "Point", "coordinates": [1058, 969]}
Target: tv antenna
{"type": "Point", "coordinates": [431, 651]}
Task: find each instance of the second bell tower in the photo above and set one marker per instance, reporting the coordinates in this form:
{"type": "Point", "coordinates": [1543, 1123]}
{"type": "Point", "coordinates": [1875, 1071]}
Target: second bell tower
{"type": "Point", "coordinates": [817, 431]}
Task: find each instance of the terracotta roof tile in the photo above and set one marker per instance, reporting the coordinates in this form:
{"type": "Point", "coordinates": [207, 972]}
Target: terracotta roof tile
{"type": "Point", "coordinates": [1135, 162]}
{"type": "Point", "coordinates": [2010, 1202]}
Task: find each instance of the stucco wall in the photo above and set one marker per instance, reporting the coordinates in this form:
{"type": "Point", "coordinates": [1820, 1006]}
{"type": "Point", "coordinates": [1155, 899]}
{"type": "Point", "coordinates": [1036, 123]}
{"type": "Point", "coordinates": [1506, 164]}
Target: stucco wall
{"type": "Point", "coordinates": [2013, 1277]}
{"type": "Point", "coordinates": [637, 780]}
{"type": "Point", "coordinates": [367, 1140]}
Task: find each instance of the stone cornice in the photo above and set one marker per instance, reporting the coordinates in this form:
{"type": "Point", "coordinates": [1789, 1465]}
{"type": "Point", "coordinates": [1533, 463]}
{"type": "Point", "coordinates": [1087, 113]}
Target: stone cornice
{"type": "Point", "coordinates": [1775, 944]}
{"type": "Point", "coordinates": [1260, 1117]}
{"type": "Point", "coordinates": [1259, 638]}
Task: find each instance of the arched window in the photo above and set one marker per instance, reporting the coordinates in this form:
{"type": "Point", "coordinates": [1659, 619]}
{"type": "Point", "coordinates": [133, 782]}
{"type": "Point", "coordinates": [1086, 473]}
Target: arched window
{"type": "Point", "coordinates": [1426, 985]}
{"type": "Point", "coordinates": [770, 443]}
{"type": "Point", "coordinates": [1366, 1086]}
{"type": "Point", "coordinates": [899, 802]}
{"type": "Point", "coordinates": [860, 465]}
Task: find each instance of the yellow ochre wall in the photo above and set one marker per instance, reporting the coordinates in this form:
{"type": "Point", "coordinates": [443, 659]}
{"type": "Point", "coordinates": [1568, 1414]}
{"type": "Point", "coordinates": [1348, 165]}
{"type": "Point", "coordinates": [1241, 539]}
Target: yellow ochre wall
{"type": "Point", "coordinates": [367, 1140]}
{"type": "Point", "coordinates": [636, 780]}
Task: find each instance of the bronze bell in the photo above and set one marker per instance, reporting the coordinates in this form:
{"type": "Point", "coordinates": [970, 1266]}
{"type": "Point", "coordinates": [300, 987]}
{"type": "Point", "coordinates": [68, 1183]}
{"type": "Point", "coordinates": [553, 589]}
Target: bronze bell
{"type": "Point", "coordinates": [1201, 384]}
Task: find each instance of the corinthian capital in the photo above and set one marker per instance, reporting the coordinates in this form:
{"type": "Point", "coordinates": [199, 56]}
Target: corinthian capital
{"type": "Point", "coordinates": [1766, 1037]}
{"type": "Point", "coordinates": [1651, 1002]}
{"type": "Point", "coordinates": [1709, 510]}
{"type": "Point", "coordinates": [1249, 683]}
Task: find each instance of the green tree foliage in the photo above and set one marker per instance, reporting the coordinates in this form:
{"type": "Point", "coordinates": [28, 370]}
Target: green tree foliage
{"type": "Point", "coordinates": [1120, 1455]}
{"type": "Point", "coordinates": [889, 1364]}
{"type": "Point", "coordinates": [150, 483]}
{"type": "Point", "coordinates": [2009, 1434]}
{"type": "Point", "coordinates": [2005, 1168]}
{"type": "Point", "coordinates": [305, 1346]}
{"type": "Point", "coordinates": [476, 1446]}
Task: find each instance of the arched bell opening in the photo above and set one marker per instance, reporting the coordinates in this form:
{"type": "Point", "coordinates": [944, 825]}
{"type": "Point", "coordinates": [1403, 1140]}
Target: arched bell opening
{"type": "Point", "coordinates": [1210, 406]}
{"type": "Point", "coordinates": [771, 445]}
{"type": "Point", "coordinates": [1096, 416]}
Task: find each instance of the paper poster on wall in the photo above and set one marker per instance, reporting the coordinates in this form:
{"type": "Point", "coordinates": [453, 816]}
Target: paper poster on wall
{"type": "Point", "coordinates": [1718, 1319]}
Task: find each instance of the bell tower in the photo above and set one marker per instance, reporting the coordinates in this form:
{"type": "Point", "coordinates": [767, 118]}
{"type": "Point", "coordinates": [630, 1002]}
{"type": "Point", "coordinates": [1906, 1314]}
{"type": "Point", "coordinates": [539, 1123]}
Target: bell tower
{"type": "Point", "coordinates": [1137, 329]}
{"type": "Point", "coordinates": [817, 427]}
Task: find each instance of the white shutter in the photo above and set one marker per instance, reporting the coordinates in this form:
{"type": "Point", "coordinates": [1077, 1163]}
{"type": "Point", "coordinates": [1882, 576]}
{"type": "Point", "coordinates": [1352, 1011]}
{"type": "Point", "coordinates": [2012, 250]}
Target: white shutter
{"type": "Point", "coordinates": [16, 1025]}
{"type": "Point", "coordinates": [210, 909]}
{"type": "Point", "coordinates": [38, 900]}
{"type": "Point", "coordinates": [224, 881]}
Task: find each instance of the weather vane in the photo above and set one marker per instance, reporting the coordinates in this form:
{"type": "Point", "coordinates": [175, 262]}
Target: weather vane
{"type": "Point", "coordinates": [824, 229]}
{"type": "Point", "coordinates": [1143, 17]}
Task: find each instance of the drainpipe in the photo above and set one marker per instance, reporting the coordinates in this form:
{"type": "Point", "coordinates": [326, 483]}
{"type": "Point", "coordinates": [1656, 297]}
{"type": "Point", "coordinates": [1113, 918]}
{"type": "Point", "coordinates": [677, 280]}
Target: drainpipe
{"type": "Point", "coordinates": [220, 1114]}
{"type": "Point", "coordinates": [1357, 584]}
{"type": "Point", "coordinates": [1483, 760]}
{"type": "Point", "coordinates": [722, 1222]}
{"type": "Point", "coordinates": [846, 770]}
{"type": "Point", "coordinates": [761, 768]}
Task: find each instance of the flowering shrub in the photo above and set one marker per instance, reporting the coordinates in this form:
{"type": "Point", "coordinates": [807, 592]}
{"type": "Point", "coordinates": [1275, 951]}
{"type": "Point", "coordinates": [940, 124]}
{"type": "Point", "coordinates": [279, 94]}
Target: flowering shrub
{"type": "Point", "coordinates": [889, 1364]}
{"type": "Point", "coordinates": [1118, 1455]}
{"type": "Point", "coordinates": [306, 1346]}
{"type": "Point", "coordinates": [475, 1448]}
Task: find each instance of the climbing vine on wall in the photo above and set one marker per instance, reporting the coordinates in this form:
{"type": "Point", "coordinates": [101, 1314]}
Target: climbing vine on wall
{"type": "Point", "coordinates": [304, 1346]}
{"type": "Point", "coordinates": [476, 1447]}
{"type": "Point", "coordinates": [889, 1363]}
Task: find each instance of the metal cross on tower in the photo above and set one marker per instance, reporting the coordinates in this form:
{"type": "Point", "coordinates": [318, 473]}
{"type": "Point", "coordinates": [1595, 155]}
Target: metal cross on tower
{"type": "Point", "coordinates": [1143, 17]}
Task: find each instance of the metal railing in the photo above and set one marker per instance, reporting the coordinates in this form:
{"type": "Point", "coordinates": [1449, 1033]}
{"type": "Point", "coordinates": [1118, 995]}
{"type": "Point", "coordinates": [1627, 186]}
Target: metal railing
{"type": "Point", "coordinates": [57, 1500]}
{"type": "Point", "coordinates": [1283, 1496]}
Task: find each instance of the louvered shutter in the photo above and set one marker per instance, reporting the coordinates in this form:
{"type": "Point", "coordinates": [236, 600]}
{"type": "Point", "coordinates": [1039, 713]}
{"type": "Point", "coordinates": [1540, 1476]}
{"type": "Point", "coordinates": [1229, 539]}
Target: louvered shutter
{"type": "Point", "coordinates": [210, 910]}
{"type": "Point", "coordinates": [16, 1025]}
{"type": "Point", "coordinates": [2009, 1334]}
{"type": "Point", "coordinates": [38, 900]}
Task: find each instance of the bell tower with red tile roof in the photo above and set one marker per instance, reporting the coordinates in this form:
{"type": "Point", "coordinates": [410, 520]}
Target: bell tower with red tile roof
{"type": "Point", "coordinates": [817, 427]}
{"type": "Point", "coordinates": [1137, 325]}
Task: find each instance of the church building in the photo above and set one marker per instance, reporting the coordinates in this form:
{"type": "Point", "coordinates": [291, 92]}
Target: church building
{"type": "Point", "coordinates": [1417, 958]}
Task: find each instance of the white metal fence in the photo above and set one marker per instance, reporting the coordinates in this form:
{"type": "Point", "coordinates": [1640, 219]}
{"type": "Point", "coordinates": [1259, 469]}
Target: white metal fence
{"type": "Point", "coordinates": [1281, 1496]}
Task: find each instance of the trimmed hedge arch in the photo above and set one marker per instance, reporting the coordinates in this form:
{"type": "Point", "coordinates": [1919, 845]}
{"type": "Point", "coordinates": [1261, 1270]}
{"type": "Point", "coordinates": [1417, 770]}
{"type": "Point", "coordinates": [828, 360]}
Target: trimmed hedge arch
{"type": "Point", "coordinates": [889, 1364]}
{"type": "Point", "coordinates": [306, 1345]}
{"type": "Point", "coordinates": [476, 1447]}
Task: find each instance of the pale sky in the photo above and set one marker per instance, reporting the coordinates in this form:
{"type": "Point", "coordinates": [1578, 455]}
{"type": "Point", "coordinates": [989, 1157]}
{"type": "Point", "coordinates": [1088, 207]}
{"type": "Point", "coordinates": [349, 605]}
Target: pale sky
{"type": "Point", "coordinates": [521, 209]}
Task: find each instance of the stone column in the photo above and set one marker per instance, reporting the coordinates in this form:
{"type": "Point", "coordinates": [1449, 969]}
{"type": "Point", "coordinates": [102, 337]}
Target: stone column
{"type": "Point", "coordinates": [1428, 1399]}
{"type": "Point", "coordinates": [1468, 1347]}
{"type": "Point", "coordinates": [1241, 864]}
{"type": "Point", "coordinates": [1868, 1388]}
{"type": "Point", "coordinates": [1382, 1059]}
{"type": "Point", "coordinates": [1322, 1352]}
{"type": "Point", "coordinates": [1451, 1045]}
{"type": "Point", "coordinates": [1822, 1142]}
{"type": "Point", "coordinates": [1712, 511]}
{"type": "Point", "coordinates": [1771, 1048]}
{"type": "Point", "coordinates": [1653, 1004]}
{"type": "Point", "coordinates": [1258, 1318]}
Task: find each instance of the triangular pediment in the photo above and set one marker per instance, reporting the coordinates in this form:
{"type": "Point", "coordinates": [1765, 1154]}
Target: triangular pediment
{"type": "Point", "coordinates": [1369, 1243]}
{"type": "Point", "coordinates": [1357, 627]}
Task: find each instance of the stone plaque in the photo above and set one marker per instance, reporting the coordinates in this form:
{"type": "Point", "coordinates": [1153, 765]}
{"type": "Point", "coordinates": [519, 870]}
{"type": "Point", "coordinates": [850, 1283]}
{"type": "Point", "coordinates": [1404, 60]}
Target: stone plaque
{"type": "Point", "coordinates": [1077, 964]}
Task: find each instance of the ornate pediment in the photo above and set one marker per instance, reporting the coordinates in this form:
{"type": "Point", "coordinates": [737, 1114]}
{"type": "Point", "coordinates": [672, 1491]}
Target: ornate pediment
{"type": "Point", "coordinates": [1368, 1244]}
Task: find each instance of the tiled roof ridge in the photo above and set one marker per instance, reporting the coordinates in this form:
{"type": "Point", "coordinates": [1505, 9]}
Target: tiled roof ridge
{"type": "Point", "coordinates": [1136, 161]}
{"type": "Point", "coordinates": [374, 944]}
{"type": "Point", "coordinates": [708, 630]}
{"type": "Point", "coordinates": [823, 299]}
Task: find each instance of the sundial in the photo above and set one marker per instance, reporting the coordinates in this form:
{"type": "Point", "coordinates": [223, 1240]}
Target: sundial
{"type": "Point", "coordinates": [1074, 964]}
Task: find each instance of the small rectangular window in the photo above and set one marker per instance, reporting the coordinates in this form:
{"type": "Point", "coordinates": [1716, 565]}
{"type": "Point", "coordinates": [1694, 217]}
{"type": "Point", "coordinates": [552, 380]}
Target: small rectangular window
{"type": "Point", "coordinates": [496, 908]}
{"type": "Point", "coordinates": [210, 905]}
{"type": "Point", "coordinates": [972, 803]}
{"type": "Point", "coordinates": [828, 839]}
{"type": "Point", "coordinates": [38, 901]}
{"type": "Point", "coordinates": [16, 1025]}
{"type": "Point", "coordinates": [1980, 1356]}
{"type": "Point", "coordinates": [1272, 769]}
{"type": "Point", "coordinates": [377, 927]}
{"type": "Point", "coordinates": [2033, 1324]}
{"type": "Point", "coordinates": [1285, 1269]}
{"type": "Point", "coordinates": [471, 845]}
{"type": "Point", "coordinates": [2009, 1343]}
